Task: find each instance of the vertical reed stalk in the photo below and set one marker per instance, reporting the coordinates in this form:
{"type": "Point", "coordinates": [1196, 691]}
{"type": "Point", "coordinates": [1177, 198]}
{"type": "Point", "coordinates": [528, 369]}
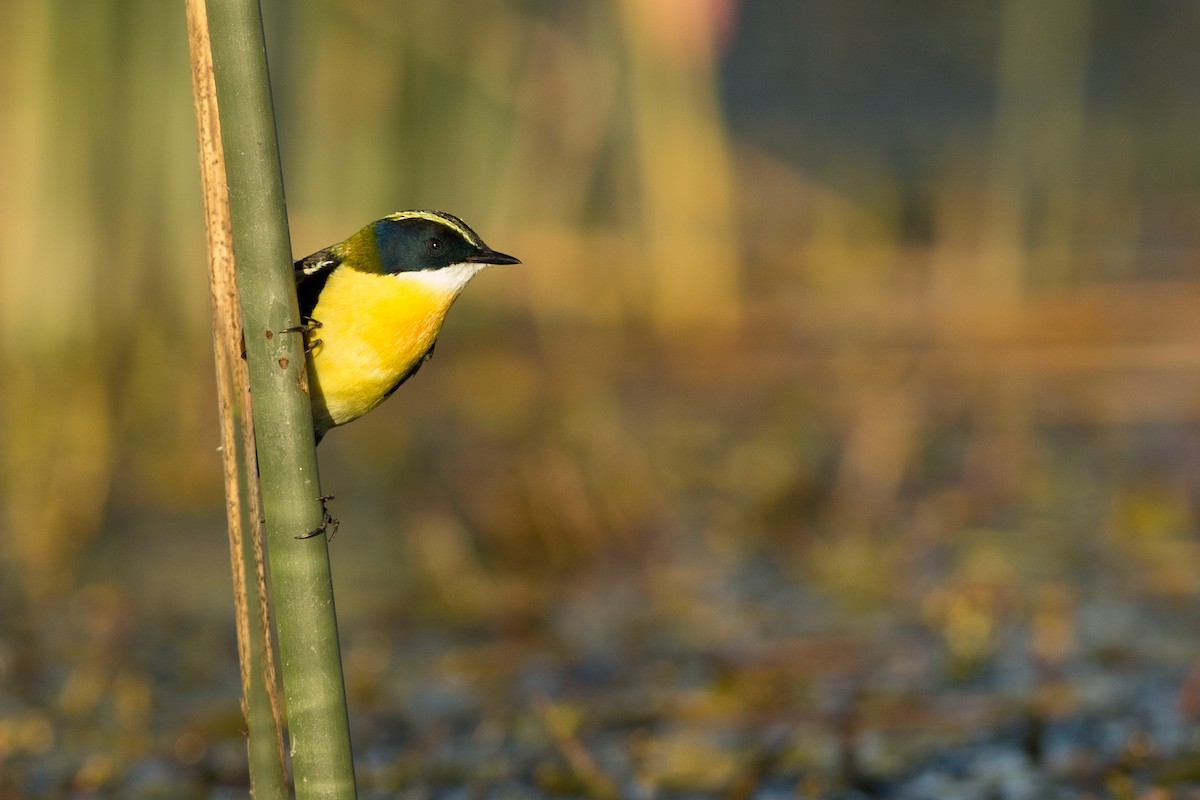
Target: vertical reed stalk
{"type": "Point", "coordinates": [301, 582]}
{"type": "Point", "coordinates": [260, 702]}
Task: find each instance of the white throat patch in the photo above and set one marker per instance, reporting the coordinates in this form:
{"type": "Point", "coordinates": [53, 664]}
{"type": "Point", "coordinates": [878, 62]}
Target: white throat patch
{"type": "Point", "coordinates": [447, 279]}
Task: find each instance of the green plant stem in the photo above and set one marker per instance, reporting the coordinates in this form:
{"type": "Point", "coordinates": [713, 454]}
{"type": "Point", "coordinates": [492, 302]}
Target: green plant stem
{"type": "Point", "coordinates": [301, 583]}
{"type": "Point", "coordinates": [267, 763]}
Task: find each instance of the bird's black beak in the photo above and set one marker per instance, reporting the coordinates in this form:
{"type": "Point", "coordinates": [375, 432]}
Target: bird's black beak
{"type": "Point", "coordinates": [492, 258]}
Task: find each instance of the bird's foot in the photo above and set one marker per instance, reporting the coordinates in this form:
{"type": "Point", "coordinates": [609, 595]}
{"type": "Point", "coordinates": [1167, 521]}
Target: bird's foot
{"type": "Point", "coordinates": [305, 328]}
{"type": "Point", "coordinates": [308, 326]}
{"type": "Point", "coordinates": [328, 523]}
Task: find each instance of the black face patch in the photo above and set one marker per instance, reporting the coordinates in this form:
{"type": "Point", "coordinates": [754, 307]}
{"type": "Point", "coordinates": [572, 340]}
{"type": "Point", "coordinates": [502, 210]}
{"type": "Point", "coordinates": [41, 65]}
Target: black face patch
{"type": "Point", "coordinates": [416, 244]}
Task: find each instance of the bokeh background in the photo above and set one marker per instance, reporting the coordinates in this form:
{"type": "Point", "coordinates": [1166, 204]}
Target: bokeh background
{"type": "Point", "coordinates": [837, 437]}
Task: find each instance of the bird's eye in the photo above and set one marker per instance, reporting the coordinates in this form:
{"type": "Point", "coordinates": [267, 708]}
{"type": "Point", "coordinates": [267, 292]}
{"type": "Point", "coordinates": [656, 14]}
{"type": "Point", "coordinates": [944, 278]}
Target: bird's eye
{"type": "Point", "coordinates": [434, 245]}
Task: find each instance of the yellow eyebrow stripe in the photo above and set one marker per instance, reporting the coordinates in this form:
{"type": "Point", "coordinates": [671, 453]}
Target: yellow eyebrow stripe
{"type": "Point", "coordinates": [445, 219]}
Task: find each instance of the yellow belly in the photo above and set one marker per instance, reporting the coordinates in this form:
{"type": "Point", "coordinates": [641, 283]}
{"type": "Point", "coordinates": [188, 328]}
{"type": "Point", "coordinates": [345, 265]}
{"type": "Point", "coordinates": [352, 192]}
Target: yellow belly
{"type": "Point", "coordinates": [374, 330]}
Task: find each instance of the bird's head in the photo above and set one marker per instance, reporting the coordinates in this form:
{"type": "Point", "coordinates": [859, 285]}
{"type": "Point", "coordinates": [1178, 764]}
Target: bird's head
{"type": "Point", "coordinates": [428, 242]}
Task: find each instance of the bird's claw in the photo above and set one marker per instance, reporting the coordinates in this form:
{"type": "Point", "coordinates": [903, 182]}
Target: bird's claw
{"type": "Point", "coordinates": [308, 326]}
{"type": "Point", "coordinates": [305, 328]}
{"type": "Point", "coordinates": [328, 523]}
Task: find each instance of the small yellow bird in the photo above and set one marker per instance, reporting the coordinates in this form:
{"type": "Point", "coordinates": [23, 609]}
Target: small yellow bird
{"type": "Point", "coordinates": [378, 300]}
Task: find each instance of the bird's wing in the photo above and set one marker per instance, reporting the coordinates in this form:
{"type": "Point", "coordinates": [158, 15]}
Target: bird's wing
{"type": "Point", "coordinates": [311, 273]}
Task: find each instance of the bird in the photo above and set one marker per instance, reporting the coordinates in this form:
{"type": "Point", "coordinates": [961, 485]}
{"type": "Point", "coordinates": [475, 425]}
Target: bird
{"type": "Point", "coordinates": [372, 307]}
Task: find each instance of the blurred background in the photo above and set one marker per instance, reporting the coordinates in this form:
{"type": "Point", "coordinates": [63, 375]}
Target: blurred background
{"type": "Point", "coordinates": [838, 436]}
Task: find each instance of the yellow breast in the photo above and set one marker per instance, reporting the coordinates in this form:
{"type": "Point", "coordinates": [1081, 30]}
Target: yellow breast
{"type": "Point", "coordinates": [374, 330]}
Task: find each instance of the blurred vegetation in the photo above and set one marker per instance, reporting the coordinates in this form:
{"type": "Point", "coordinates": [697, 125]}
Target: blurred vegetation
{"type": "Point", "coordinates": [853, 339]}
